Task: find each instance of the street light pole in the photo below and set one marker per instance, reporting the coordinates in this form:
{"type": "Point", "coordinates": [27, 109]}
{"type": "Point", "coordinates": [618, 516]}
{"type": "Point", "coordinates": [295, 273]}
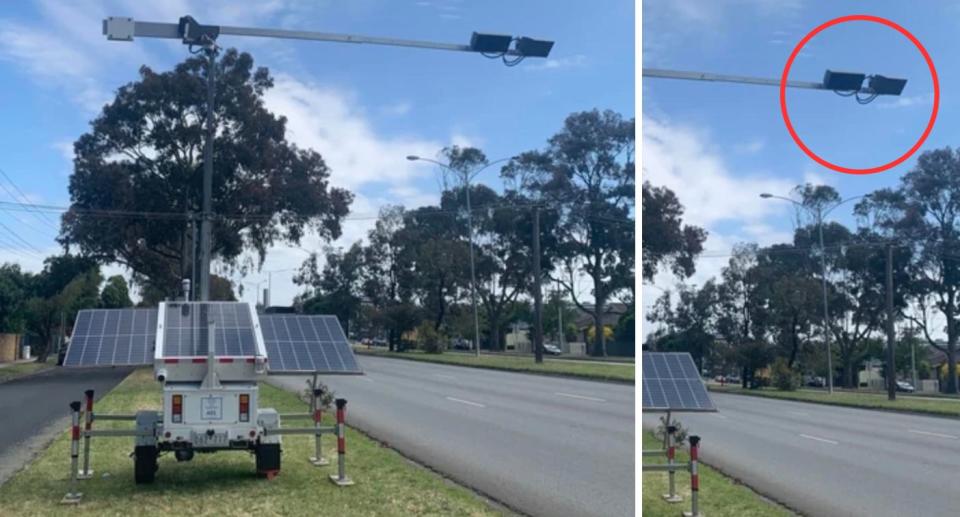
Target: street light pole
{"type": "Point", "coordinates": [826, 310]}
{"type": "Point", "coordinates": [191, 33]}
{"type": "Point", "coordinates": [467, 177]}
{"type": "Point", "coordinates": [823, 275]}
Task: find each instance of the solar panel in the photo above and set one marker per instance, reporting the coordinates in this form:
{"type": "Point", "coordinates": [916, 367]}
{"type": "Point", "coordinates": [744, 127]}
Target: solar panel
{"type": "Point", "coordinates": [299, 343]}
{"type": "Point", "coordinates": [186, 329]}
{"type": "Point", "coordinates": [671, 382]}
{"type": "Point", "coordinates": [112, 337]}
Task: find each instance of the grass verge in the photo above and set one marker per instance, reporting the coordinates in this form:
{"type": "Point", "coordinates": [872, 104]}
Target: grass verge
{"type": "Point", "coordinates": [600, 370]}
{"type": "Point", "coordinates": [719, 495]}
{"type": "Point", "coordinates": [225, 483]}
{"type": "Point", "coordinates": [933, 406]}
{"type": "Point", "coordinates": [8, 373]}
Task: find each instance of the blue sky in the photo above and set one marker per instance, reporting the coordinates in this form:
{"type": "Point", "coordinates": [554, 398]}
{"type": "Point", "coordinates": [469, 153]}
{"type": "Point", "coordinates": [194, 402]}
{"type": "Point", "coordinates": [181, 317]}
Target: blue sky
{"type": "Point", "coordinates": [362, 107]}
{"type": "Point", "coordinates": [718, 146]}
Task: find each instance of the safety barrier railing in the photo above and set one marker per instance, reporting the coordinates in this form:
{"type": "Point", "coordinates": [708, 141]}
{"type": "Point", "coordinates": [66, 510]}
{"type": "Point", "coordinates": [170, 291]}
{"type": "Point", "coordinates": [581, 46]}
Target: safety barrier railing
{"type": "Point", "coordinates": [671, 467]}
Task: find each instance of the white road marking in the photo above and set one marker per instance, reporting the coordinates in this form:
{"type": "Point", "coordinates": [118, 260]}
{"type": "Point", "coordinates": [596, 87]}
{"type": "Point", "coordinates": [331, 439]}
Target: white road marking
{"type": "Point", "coordinates": [939, 435]}
{"type": "Point", "coordinates": [582, 397]}
{"type": "Point", "coordinates": [442, 376]}
{"type": "Point", "coordinates": [799, 413]}
{"type": "Point", "coordinates": [718, 415]}
{"type": "Point", "coordinates": [466, 402]}
{"type": "Point", "coordinates": [824, 440]}
{"type": "Point", "coordinates": [368, 379]}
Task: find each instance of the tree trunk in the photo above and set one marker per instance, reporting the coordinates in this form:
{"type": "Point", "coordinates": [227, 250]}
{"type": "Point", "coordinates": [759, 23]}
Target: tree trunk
{"type": "Point", "coordinates": [849, 375]}
{"type": "Point", "coordinates": [495, 337]}
{"type": "Point", "coordinates": [600, 345]}
{"type": "Point", "coordinates": [951, 353]}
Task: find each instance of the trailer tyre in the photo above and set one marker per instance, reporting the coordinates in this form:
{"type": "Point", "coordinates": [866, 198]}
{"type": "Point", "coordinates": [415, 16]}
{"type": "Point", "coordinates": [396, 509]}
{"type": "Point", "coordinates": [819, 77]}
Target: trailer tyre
{"type": "Point", "coordinates": [144, 464]}
{"type": "Point", "coordinates": [268, 458]}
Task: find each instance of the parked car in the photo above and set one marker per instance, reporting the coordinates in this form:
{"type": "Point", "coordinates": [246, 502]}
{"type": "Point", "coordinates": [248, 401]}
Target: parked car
{"type": "Point", "coordinates": [815, 381]}
{"type": "Point", "coordinates": [905, 387]}
{"type": "Point", "coordinates": [378, 341]}
{"type": "Point", "coordinates": [551, 350]}
{"type": "Point", "coordinates": [460, 343]}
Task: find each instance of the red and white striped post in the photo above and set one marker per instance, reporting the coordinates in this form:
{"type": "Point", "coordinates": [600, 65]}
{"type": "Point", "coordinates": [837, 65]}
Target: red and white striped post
{"type": "Point", "coordinates": [340, 478]}
{"type": "Point", "coordinates": [317, 402]}
{"type": "Point", "coordinates": [672, 496]}
{"type": "Point", "coordinates": [694, 478]}
{"type": "Point", "coordinates": [73, 496]}
{"type": "Point", "coordinates": [86, 473]}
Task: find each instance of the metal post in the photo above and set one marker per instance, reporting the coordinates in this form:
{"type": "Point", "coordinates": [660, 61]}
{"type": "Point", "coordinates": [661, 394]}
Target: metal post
{"type": "Point", "coordinates": [73, 496]}
{"type": "Point", "coordinates": [561, 339]}
{"type": "Point", "coordinates": [340, 478]}
{"type": "Point", "coordinates": [537, 295]}
{"type": "Point", "coordinates": [194, 270]}
{"type": "Point", "coordinates": [316, 403]}
{"type": "Point", "coordinates": [206, 216]}
{"type": "Point", "coordinates": [891, 337]}
{"type": "Point", "coordinates": [672, 496]}
{"type": "Point", "coordinates": [266, 297]}
{"type": "Point", "coordinates": [86, 473]}
{"type": "Point", "coordinates": [913, 359]}
{"type": "Point", "coordinates": [694, 478]}
{"type": "Point", "coordinates": [473, 275]}
{"type": "Point", "coordinates": [826, 311]}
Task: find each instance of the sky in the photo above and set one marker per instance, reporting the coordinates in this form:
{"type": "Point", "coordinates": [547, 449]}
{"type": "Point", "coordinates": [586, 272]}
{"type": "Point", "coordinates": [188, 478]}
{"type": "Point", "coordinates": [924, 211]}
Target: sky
{"type": "Point", "coordinates": [363, 108]}
{"type": "Point", "coordinates": [718, 146]}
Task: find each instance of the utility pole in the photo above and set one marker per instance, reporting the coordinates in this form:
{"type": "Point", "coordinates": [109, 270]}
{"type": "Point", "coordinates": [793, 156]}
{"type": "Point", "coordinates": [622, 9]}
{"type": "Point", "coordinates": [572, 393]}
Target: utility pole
{"type": "Point", "coordinates": [891, 338]}
{"type": "Point", "coordinates": [826, 311]}
{"type": "Point", "coordinates": [537, 296]}
{"type": "Point", "coordinates": [510, 49]}
{"type": "Point", "coordinates": [473, 272]}
{"type": "Point", "coordinates": [913, 358]}
{"type": "Point", "coordinates": [206, 216]}
{"type": "Point", "coordinates": [561, 339]}
{"type": "Point", "coordinates": [194, 270]}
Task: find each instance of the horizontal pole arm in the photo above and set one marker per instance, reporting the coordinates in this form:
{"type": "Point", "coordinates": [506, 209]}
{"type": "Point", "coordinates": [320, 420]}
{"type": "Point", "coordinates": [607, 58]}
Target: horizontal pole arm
{"type": "Point", "coordinates": [301, 430]}
{"type": "Point", "coordinates": [654, 453]}
{"type": "Point", "coordinates": [676, 467]}
{"type": "Point", "coordinates": [97, 416]}
{"type": "Point", "coordinates": [116, 432]}
{"type": "Point", "coordinates": [171, 31]}
{"type": "Point", "coordinates": [740, 79]}
{"type": "Point", "coordinates": [296, 415]}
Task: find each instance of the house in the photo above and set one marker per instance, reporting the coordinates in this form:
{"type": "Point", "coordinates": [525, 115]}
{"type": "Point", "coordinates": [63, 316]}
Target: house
{"type": "Point", "coordinates": [611, 316]}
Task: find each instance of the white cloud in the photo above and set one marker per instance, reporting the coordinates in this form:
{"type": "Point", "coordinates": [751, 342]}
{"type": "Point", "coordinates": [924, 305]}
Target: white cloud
{"type": "Point", "coordinates": [713, 196]}
{"type": "Point", "coordinates": [65, 148]}
{"type": "Point", "coordinates": [575, 61]}
{"type": "Point", "coordinates": [909, 101]}
{"type": "Point", "coordinates": [327, 120]}
{"type": "Point", "coordinates": [750, 147]}
{"type": "Point", "coordinates": [397, 109]}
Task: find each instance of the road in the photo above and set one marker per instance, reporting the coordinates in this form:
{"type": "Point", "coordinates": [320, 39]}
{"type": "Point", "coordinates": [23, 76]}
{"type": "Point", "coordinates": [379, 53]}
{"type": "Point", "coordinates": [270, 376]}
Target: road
{"type": "Point", "coordinates": [828, 460]}
{"type": "Point", "coordinates": [32, 407]}
{"type": "Point", "coordinates": [540, 445]}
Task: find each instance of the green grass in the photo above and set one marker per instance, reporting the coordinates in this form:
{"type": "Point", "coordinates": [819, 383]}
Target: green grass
{"type": "Point", "coordinates": [719, 495]}
{"type": "Point", "coordinates": [13, 371]}
{"type": "Point", "coordinates": [225, 483]}
{"type": "Point", "coordinates": [600, 370]}
{"type": "Point", "coordinates": [939, 406]}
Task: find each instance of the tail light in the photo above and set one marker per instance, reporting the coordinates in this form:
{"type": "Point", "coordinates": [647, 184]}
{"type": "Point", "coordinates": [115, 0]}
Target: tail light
{"type": "Point", "coordinates": [244, 407]}
{"type": "Point", "coordinates": [177, 409]}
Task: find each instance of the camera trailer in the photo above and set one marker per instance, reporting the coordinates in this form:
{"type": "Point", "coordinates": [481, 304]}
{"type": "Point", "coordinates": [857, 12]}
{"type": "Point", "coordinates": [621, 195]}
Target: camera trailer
{"type": "Point", "coordinates": [210, 393]}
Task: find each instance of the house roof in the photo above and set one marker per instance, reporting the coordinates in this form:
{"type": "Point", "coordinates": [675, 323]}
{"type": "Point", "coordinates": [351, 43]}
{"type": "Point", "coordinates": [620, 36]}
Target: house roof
{"type": "Point", "coordinates": [611, 315]}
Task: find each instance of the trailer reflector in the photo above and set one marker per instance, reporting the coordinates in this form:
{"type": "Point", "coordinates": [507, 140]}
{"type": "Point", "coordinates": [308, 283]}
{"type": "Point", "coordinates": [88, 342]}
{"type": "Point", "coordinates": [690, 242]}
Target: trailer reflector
{"type": "Point", "coordinates": [171, 361]}
{"type": "Point", "coordinates": [177, 409]}
{"type": "Point", "coordinates": [244, 407]}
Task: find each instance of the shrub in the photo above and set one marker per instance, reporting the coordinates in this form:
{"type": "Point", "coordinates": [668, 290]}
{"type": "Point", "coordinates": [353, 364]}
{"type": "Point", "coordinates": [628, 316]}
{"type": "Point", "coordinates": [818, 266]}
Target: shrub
{"type": "Point", "coordinates": [679, 436]}
{"type": "Point", "coordinates": [783, 377]}
{"type": "Point", "coordinates": [326, 399]}
{"type": "Point", "coordinates": [429, 340]}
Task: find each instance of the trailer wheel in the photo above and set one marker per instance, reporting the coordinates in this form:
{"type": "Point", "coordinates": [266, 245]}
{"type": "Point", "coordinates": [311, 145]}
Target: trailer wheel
{"type": "Point", "coordinates": [144, 464]}
{"type": "Point", "coordinates": [268, 458]}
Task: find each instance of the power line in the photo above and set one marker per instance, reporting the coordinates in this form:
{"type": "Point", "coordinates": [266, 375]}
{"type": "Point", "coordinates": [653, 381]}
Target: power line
{"type": "Point", "coordinates": [25, 198]}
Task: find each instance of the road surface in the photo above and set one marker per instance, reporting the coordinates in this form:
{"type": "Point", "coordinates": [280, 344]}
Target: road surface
{"type": "Point", "coordinates": [540, 445]}
{"type": "Point", "coordinates": [829, 460]}
{"type": "Point", "coordinates": [32, 407]}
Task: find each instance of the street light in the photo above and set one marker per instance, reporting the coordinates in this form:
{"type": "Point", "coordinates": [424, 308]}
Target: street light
{"type": "Point", "coordinates": [820, 213]}
{"type": "Point", "coordinates": [467, 177]}
{"type": "Point", "coordinates": [192, 33]}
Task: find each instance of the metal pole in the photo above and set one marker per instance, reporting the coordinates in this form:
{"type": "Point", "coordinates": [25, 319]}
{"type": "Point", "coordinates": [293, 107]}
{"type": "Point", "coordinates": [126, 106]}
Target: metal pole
{"type": "Point", "coordinates": [194, 270]}
{"type": "Point", "coordinates": [340, 478]}
{"type": "Point", "coordinates": [694, 478]}
{"type": "Point", "coordinates": [671, 496]}
{"type": "Point", "coordinates": [266, 297]}
{"type": "Point", "coordinates": [206, 217]}
{"type": "Point", "coordinates": [316, 402]}
{"type": "Point", "coordinates": [73, 496]}
{"type": "Point", "coordinates": [913, 358]}
{"type": "Point", "coordinates": [891, 338]}
{"type": "Point", "coordinates": [537, 295]}
{"type": "Point", "coordinates": [86, 473]}
{"type": "Point", "coordinates": [473, 275]}
{"type": "Point", "coordinates": [826, 311]}
{"type": "Point", "coordinates": [561, 339]}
